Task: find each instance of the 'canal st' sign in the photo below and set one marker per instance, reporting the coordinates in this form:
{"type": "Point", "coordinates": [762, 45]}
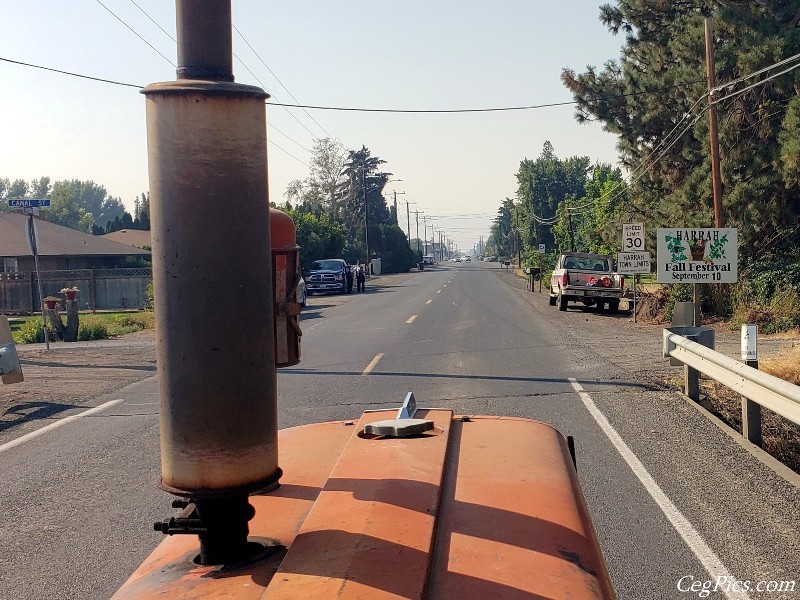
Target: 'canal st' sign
{"type": "Point", "coordinates": [686, 255]}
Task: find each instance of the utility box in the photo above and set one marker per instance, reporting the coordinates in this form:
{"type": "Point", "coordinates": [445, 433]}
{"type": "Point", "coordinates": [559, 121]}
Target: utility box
{"type": "Point", "coordinates": [682, 314]}
{"type": "Point", "coordinates": [702, 335]}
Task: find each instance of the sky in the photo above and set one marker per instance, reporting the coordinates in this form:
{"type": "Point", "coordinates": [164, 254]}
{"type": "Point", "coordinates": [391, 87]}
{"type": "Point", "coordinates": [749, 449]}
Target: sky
{"type": "Point", "coordinates": [415, 55]}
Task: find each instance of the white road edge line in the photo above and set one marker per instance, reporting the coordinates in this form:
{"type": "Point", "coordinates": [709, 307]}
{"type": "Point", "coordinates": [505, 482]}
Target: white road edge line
{"type": "Point", "coordinates": [373, 363]}
{"type": "Point", "coordinates": [690, 535]}
{"type": "Point", "coordinates": [29, 436]}
{"type": "Point", "coordinates": [411, 319]}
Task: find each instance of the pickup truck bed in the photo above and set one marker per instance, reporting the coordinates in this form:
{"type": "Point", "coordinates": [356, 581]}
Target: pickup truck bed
{"type": "Point", "coordinates": [586, 278]}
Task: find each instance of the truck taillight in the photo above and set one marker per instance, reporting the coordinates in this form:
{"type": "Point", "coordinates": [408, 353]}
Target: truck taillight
{"type": "Point", "coordinates": [565, 279]}
{"type": "Point", "coordinates": [622, 281]}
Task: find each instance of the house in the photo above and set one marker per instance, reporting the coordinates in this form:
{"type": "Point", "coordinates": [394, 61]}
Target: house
{"type": "Point", "coordinates": [109, 275]}
{"type": "Point", "coordinates": [131, 237]}
{"type": "Point", "coordinates": [60, 248]}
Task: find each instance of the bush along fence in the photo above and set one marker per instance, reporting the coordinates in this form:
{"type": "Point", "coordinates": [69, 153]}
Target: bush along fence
{"type": "Point", "coordinates": [101, 289]}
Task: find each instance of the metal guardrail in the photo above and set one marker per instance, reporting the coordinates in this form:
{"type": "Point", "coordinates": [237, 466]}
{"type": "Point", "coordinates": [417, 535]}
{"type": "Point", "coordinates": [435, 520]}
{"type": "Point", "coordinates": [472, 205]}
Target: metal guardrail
{"type": "Point", "coordinates": [756, 386]}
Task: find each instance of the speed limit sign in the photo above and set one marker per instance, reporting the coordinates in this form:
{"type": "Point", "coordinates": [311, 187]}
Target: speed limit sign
{"type": "Point", "coordinates": [633, 237]}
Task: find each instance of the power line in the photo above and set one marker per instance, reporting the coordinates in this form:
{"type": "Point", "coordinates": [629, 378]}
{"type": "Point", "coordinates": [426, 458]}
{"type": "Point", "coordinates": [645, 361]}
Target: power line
{"type": "Point", "coordinates": [136, 34]}
{"type": "Point", "coordinates": [154, 21]}
{"type": "Point", "coordinates": [24, 64]}
{"type": "Point", "coordinates": [287, 136]}
{"type": "Point", "coordinates": [280, 82]}
{"type": "Point", "coordinates": [289, 153]}
{"type": "Point", "coordinates": [443, 111]}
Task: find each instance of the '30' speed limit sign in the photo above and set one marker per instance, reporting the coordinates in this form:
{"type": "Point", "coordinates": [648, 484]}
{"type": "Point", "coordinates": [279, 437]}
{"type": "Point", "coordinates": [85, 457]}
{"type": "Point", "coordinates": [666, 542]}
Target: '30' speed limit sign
{"type": "Point", "coordinates": [633, 237]}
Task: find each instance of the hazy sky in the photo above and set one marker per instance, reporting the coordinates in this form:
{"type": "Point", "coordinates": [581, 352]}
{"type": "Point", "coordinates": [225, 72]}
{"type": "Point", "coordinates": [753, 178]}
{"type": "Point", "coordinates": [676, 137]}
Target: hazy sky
{"type": "Point", "coordinates": [404, 55]}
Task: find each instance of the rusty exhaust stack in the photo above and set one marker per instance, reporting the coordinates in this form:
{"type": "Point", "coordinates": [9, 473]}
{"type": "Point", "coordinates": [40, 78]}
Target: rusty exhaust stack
{"type": "Point", "coordinates": [207, 158]}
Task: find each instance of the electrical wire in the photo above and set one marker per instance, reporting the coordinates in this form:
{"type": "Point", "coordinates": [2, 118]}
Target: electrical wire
{"type": "Point", "coordinates": [24, 64]}
{"type": "Point", "coordinates": [279, 147]}
{"type": "Point", "coordinates": [280, 82]}
{"type": "Point", "coordinates": [756, 73]}
{"type": "Point", "coordinates": [136, 34]}
{"type": "Point", "coordinates": [154, 22]}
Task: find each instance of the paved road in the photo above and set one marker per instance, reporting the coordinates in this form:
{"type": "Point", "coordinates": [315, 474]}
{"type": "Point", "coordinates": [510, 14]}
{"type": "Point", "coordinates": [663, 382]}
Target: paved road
{"type": "Point", "coordinates": [670, 494]}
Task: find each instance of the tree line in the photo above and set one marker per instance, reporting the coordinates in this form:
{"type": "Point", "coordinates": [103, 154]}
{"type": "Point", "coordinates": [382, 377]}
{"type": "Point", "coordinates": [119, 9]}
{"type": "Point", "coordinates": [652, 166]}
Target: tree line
{"type": "Point", "coordinates": [340, 209]}
{"type": "Point", "coordinates": [82, 205]}
{"type": "Point", "coordinates": [654, 98]}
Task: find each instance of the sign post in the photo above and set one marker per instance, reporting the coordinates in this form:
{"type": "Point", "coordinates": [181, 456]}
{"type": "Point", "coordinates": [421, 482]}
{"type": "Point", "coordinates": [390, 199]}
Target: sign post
{"type": "Point", "coordinates": [542, 251]}
{"type": "Point", "coordinates": [31, 207]}
{"type": "Point", "coordinates": [633, 256]}
{"type": "Point", "coordinates": [633, 263]}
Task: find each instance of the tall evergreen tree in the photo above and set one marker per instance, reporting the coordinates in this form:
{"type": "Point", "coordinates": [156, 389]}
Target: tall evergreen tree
{"type": "Point", "coordinates": [654, 94]}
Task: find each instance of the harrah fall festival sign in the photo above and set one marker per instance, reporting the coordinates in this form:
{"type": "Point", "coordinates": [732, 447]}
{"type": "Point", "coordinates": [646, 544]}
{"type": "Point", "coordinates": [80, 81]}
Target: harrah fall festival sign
{"type": "Point", "coordinates": [697, 255]}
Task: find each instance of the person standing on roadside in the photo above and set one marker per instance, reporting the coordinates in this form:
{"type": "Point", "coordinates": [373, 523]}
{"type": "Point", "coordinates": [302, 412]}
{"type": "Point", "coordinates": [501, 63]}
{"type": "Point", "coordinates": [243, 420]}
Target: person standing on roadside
{"type": "Point", "coordinates": [361, 277]}
{"type": "Point", "coordinates": [348, 273]}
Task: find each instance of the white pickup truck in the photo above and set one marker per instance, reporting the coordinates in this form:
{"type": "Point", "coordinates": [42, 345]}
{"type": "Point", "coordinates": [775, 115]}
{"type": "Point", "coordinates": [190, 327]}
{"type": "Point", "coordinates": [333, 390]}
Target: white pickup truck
{"type": "Point", "coordinates": [586, 278]}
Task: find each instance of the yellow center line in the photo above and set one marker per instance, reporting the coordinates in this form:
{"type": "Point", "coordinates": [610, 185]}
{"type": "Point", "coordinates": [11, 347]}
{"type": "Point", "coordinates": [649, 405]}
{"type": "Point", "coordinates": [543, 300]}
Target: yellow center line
{"type": "Point", "coordinates": [429, 301]}
{"type": "Point", "coordinates": [373, 363]}
{"type": "Point", "coordinates": [411, 319]}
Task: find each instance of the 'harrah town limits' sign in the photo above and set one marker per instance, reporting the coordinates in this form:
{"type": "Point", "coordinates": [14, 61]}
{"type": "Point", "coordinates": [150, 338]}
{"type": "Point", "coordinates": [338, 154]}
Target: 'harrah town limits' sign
{"type": "Point", "coordinates": [697, 255]}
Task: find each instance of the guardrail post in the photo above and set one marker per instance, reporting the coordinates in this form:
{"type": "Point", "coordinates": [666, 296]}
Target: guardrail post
{"type": "Point", "coordinates": [692, 382]}
{"type": "Point", "coordinates": [751, 411]}
{"type": "Point", "coordinates": [751, 420]}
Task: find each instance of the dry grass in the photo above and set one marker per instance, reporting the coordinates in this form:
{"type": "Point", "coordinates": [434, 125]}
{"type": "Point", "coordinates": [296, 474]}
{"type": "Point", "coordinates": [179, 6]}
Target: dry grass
{"type": "Point", "coordinates": [785, 365]}
{"type": "Point", "coordinates": [781, 438]}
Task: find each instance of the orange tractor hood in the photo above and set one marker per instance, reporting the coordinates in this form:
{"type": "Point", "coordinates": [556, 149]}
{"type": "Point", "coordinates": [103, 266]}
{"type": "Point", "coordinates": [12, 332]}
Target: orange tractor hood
{"type": "Point", "coordinates": [477, 507]}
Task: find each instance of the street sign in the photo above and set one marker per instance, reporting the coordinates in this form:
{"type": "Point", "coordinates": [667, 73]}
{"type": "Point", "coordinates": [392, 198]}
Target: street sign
{"type": "Point", "coordinates": [37, 203]}
{"type": "Point", "coordinates": [705, 255]}
{"type": "Point", "coordinates": [633, 237]}
{"type": "Point", "coordinates": [633, 263]}
{"type": "Point", "coordinates": [542, 249]}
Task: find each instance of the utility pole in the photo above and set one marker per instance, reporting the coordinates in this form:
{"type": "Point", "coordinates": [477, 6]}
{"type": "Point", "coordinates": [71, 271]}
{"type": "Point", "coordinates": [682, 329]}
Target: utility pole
{"type": "Point", "coordinates": [416, 216]}
{"type": "Point", "coordinates": [719, 220]}
{"type": "Point", "coordinates": [408, 223]}
{"type": "Point", "coordinates": [366, 214]}
{"type": "Point", "coordinates": [571, 234]}
{"type": "Point", "coordinates": [425, 234]}
{"type": "Point", "coordinates": [713, 132]}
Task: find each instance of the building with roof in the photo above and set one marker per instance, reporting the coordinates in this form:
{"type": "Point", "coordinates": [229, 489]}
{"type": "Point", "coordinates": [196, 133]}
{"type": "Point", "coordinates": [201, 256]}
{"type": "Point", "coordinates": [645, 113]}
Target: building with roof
{"type": "Point", "coordinates": [60, 248]}
{"type": "Point", "coordinates": [131, 237]}
{"type": "Point", "coordinates": [110, 275]}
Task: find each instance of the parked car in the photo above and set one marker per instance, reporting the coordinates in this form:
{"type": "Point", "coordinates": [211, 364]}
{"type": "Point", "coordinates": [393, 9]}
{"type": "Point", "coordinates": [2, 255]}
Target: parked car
{"type": "Point", "coordinates": [586, 278]}
{"type": "Point", "coordinates": [301, 292]}
{"type": "Point", "coordinates": [327, 275]}
{"type": "Point", "coordinates": [428, 260]}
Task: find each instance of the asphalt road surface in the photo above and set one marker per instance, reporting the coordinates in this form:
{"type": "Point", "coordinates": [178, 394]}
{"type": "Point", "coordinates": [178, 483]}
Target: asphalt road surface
{"type": "Point", "coordinates": [673, 498]}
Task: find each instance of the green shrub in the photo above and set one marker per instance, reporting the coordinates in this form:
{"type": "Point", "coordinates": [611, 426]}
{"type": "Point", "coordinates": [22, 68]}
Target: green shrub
{"type": "Point", "coordinates": [92, 328]}
{"type": "Point", "coordinates": [151, 302]}
{"type": "Point", "coordinates": [31, 332]}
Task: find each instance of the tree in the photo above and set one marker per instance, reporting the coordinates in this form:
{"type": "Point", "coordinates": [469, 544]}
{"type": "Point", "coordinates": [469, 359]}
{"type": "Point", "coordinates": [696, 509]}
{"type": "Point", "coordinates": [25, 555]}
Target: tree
{"type": "Point", "coordinates": [500, 241]}
{"type": "Point", "coordinates": [80, 204]}
{"type": "Point", "coordinates": [361, 180]}
{"type": "Point", "coordinates": [317, 236]}
{"type": "Point", "coordinates": [320, 189]}
{"type": "Point", "coordinates": [543, 184]}
{"type": "Point", "coordinates": [654, 95]}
